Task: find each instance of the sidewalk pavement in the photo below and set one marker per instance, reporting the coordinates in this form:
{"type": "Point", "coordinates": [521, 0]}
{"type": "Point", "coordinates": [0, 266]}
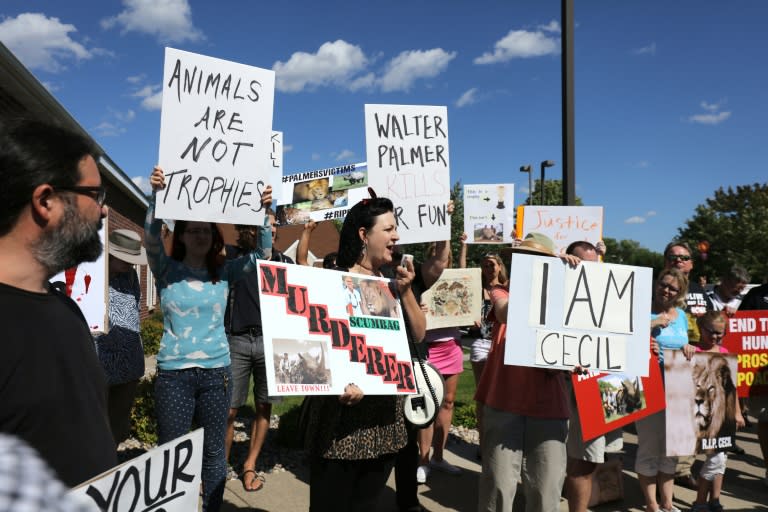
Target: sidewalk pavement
{"type": "Point", "coordinates": [743, 489]}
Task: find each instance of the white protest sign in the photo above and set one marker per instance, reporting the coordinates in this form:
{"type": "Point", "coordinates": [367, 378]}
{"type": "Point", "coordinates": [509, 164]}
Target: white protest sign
{"type": "Point", "coordinates": [326, 329]}
{"type": "Point", "coordinates": [276, 164]}
{"type": "Point", "coordinates": [407, 150]}
{"type": "Point", "coordinates": [455, 299]}
{"type": "Point", "coordinates": [489, 213]}
{"type": "Point", "coordinates": [215, 129]}
{"type": "Point", "coordinates": [88, 285]}
{"type": "Point", "coordinates": [322, 194]}
{"type": "Point", "coordinates": [563, 224]}
{"type": "Point", "coordinates": [596, 315]}
{"type": "Point", "coordinates": [165, 478]}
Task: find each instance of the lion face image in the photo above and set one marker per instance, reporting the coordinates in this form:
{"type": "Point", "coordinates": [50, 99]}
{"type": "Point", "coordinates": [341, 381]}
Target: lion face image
{"type": "Point", "coordinates": [714, 400]}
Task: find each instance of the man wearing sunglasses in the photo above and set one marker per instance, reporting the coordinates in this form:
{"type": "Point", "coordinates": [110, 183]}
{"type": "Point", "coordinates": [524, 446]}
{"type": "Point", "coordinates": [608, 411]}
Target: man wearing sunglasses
{"type": "Point", "coordinates": [53, 391]}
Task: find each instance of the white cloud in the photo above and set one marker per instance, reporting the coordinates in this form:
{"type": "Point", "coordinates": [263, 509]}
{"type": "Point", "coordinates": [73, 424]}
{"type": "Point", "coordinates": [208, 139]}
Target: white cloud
{"type": "Point", "coordinates": [316, 156]}
{"type": "Point", "coordinates": [143, 183]}
{"type": "Point", "coordinates": [170, 21]}
{"type": "Point", "coordinates": [650, 213]}
{"type": "Point", "coordinates": [334, 63]}
{"type": "Point", "coordinates": [402, 71]}
{"type": "Point", "coordinates": [136, 79]}
{"type": "Point", "coordinates": [711, 119]}
{"type": "Point", "coordinates": [52, 87]}
{"type": "Point", "coordinates": [109, 129]}
{"type": "Point", "coordinates": [114, 123]}
{"type": "Point", "coordinates": [468, 98]}
{"type": "Point", "coordinates": [521, 44]}
{"type": "Point", "coordinates": [345, 154]}
{"type": "Point", "coordinates": [41, 42]}
{"type": "Point", "coordinates": [646, 50]}
{"type": "Point", "coordinates": [151, 97]}
{"type": "Point", "coordinates": [642, 164]}
{"type": "Point", "coordinates": [553, 26]}
{"type": "Point", "coordinates": [711, 107]}
{"type": "Point", "coordinates": [287, 148]}
{"type": "Point", "coordinates": [635, 220]}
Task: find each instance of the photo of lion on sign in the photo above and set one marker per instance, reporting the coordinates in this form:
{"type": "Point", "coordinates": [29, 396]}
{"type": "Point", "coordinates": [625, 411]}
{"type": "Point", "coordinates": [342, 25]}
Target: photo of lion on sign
{"type": "Point", "coordinates": [701, 402]}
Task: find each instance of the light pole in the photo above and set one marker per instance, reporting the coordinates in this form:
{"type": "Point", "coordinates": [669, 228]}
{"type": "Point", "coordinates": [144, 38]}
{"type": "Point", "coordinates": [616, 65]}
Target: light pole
{"type": "Point", "coordinates": [544, 165]}
{"type": "Point", "coordinates": [527, 168]}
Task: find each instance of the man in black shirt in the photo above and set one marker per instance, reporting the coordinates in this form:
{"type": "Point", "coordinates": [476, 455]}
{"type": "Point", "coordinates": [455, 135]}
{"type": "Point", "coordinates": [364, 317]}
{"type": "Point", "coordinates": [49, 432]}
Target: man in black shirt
{"type": "Point", "coordinates": [52, 388]}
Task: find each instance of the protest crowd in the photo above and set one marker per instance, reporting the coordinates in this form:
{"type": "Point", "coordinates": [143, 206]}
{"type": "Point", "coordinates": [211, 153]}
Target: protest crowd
{"type": "Point", "coordinates": [66, 395]}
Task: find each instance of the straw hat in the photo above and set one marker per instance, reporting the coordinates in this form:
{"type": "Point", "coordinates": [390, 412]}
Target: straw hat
{"type": "Point", "coordinates": [534, 243]}
{"type": "Point", "coordinates": [125, 244]}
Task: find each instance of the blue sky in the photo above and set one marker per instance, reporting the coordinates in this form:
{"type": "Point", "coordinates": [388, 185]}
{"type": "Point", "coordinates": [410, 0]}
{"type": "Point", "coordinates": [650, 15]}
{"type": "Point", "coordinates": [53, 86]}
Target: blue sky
{"type": "Point", "coordinates": [671, 97]}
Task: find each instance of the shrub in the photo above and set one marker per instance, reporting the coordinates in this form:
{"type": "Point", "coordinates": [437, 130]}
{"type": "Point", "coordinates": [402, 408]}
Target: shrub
{"type": "Point", "coordinates": [151, 331]}
{"type": "Point", "coordinates": [143, 423]}
{"type": "Point", "coordinates": [464, 416]}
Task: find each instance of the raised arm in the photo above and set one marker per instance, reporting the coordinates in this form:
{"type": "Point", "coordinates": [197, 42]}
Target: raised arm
{"type": "Point", "coordinates": [403, 278]}
{"type": "Point", "coordinates": [156, 257]}
{"type": "Point", "coordinates": [463, 251]}
{"type": "Point", "coordinates": [302, 251]}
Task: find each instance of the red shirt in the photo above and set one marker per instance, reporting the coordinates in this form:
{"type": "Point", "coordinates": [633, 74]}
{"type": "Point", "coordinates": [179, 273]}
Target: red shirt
{"type": "Point", "coordinates": [523, 390]}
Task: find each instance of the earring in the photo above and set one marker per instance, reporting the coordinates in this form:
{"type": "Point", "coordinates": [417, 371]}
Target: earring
{"type": "Point", "coordinates": [365, 248]}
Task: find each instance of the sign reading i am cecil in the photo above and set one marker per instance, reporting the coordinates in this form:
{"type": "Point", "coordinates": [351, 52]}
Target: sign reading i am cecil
{"type": "Point", "coordinates": [215, 132]}
{"type": "Point", "coordinates": [407, 150]}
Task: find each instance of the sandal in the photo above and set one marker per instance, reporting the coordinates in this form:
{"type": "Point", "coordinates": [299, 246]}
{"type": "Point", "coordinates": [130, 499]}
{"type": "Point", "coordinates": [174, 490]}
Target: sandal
{"type": "Point", "coordinates": [256, 478]}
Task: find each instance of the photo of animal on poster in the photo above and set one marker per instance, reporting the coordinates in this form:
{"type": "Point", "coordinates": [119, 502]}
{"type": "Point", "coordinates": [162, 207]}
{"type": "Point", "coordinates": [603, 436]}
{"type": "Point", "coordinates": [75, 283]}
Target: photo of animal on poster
{"type": "Point", "coordinates": [701, 402]}
{"type": "Point", "coordinates": [620, 395]}
{"type": "Point", "coordinates": [369, 297]}
{"type": "Point", "coordinates": [301, 362]}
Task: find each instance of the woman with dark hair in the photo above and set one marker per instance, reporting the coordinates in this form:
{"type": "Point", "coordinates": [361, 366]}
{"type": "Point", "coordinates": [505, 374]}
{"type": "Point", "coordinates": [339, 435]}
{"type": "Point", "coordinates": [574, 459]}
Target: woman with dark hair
{"type": "Point", "coordinates": [193, 362]}
{"type": "Point", "coordinates": [352, 440]}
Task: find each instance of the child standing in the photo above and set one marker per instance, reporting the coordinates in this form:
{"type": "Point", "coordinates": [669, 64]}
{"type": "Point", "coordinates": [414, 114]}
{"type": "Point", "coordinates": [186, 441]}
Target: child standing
{"type": "Point", "coordinates": [712, 327]}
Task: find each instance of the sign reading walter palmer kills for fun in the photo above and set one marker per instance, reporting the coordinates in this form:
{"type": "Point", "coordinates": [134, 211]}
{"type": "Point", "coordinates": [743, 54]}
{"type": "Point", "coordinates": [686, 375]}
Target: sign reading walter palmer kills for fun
{"type": "Point", "coordinates": [326, 329]}
{"type": "Point", "coordinates": [215, 131]}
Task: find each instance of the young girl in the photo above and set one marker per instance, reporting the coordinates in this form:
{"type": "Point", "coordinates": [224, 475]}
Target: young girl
{"type": "Point", "coordinates": [712, 327]}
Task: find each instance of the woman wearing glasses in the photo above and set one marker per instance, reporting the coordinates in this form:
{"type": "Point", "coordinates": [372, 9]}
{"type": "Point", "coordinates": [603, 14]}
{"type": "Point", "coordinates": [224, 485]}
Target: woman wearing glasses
{"type": "Point", "coordinates": [193, 363]}
{"type": "Point", "coordinates": [669, 330]}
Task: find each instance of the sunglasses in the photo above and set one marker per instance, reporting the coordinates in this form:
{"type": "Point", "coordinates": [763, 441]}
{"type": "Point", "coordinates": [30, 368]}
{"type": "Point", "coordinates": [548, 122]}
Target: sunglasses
{"type": "Point", "coordinates": [667, 286]}
{"type": "Point", "coordinates": [681, 257]}
{"type": "Point", "coordinates": [98, 194]}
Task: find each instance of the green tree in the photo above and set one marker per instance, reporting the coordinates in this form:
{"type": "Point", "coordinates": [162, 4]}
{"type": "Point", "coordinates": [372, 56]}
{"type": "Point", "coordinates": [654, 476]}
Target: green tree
{"type": "Point", "coordinates": [553, 193]}
{"type": "Point", "coordinates": [630, 252]}
{"type": "Point", "coordinates": [735, 224]}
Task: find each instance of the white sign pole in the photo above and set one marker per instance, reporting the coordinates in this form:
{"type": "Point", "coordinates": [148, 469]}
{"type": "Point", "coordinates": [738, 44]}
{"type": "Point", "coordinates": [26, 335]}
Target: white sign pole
{"type": "Point", "coordinates": [407, 150]}
{"type": "Point", "coordinates": [215, 128]}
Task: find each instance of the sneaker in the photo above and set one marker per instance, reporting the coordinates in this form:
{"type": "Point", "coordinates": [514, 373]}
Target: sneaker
{"type": "Point", "coordinates": [715, 506]}
{"type": "Point", "coordinates": [422, 472]}
{"type": "Point", "coordinates": [445, 467]}
{"type": "Point", "coordinates": [670, 509]}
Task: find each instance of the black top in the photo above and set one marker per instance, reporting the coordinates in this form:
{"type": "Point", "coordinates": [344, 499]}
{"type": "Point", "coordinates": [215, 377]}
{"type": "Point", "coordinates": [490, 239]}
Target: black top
{"type": "Point", "coordinates": [697, 301]}
{"type": "Point", "coordinates": [756, 298]}
{"type": "Point", "coordinates": [243, 309]}
{"type": "Point", "coordinates": [53, 393]}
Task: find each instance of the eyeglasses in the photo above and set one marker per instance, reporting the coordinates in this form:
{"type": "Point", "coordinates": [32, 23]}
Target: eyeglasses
{"type": "Point", "coordinates": [667, 286]}
{"type": "Point", "coordinates": [98, 194]}
{"type": "Point", "coordinates": [681, 257]}
{"type": "Point", "coordinates": [198, 231]}
{"type": "Point", "coordinates": [717, 334]}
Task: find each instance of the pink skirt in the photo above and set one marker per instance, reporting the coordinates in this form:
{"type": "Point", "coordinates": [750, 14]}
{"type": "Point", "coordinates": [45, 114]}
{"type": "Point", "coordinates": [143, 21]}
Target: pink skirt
{"type": "Point", "coordinates": [447, 356]}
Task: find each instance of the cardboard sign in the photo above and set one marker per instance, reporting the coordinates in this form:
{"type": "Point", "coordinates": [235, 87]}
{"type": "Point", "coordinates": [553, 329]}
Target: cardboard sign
{"type": "Point", "coordinates": [489, 213]}
{"type": "Point", "coordinates": [608, 401]}
{"type": "Point", "coordinates": [326, 329]}
{"type": "Point", "coordinates": [563, 224]}
{"type": "Point", "coordinates": [88, 285]}
{"type": "Point", "coordinates": [165, 478]}
{"type": "Point", "coordinates": [595, 315]}
{"type": "Point", "coordinates": [747, 336]}
{"type": "Point", "coordinates": [407, 148]}
{"type": "Point", "coordinates": [701, 402]}
{"type": "Point", "coordinates": [276, 164]}
{"type": "Point", "coordinates": [455, 299]}
{"type": "Point", "coordinates": [322, 194]}
{"type": "Point", "coordinates": [215, 129]}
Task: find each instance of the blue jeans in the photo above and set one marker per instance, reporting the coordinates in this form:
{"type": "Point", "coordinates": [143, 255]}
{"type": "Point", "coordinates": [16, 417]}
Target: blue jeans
{"type": "Point", "coordinates": [202, 394]}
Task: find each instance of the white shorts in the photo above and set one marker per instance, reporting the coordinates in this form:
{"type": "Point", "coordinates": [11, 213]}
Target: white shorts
{"type": "Point", "coordinates": [479, 351]}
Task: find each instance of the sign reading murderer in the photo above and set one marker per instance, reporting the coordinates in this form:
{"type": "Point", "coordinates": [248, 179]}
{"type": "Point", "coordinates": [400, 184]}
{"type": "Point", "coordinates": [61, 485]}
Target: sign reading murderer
{"type": "Point", "coordinates": [326, 329]}
{"type": "Point", "coordinates": [407, 149]}
{"type": "Point", "coordinates": [322, 194]}
{"type": "Point", "coordinates": [455, 299]}
{"type": "Point", "coordinates": [747, 336]}
{"type": "Point", "coordinates": [88, 285]}
{"type": "Point", "coordinates": [563, 224]}
{"type": "Point", "coordinates": [608, 401]}
{"type": "Point", "coordinates": [596, 315]}
{"type": "Point", "coordinates": [165, 478]}
{"type": "Point", "coordinates": [701, 402]}
{"type": "Point", "coordinates": [215, 130]}
{"type": "Point", "coordinates": [489, 213]}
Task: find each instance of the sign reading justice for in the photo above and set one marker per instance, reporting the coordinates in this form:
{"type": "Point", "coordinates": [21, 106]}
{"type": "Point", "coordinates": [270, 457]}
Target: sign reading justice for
{"type": "Point", "coordinates": [596, 315]}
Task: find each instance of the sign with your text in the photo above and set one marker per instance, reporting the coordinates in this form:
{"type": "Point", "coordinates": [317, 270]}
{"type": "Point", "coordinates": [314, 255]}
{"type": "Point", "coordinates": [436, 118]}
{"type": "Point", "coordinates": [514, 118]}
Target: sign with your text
{"type": "Point", "coordinates": [747, 336]}
{"type": "Point", "coordinates": [596, 315]}
{"type": "Point", "coordinates": [165, 478]}
{"type": "Point", "coordinates": [326, 329]}
{"type": "Point", "coordinates": [489, 213]}
{"type": "Point", "coordinates": [407, 150]}
{"type": "Point", "coordinates": [215, 130]}
{"type": "Point", "coordinates": [563, 224]}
